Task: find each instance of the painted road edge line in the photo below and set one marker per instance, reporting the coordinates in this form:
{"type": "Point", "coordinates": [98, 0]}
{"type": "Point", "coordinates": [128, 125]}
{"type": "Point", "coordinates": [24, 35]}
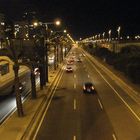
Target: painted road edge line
{"type": "Point", "coordinates": [117, 94]}
{"type": "Point", "coordinates": [74, 104]}
{"type": "Point", "coordinates": [114, 137]}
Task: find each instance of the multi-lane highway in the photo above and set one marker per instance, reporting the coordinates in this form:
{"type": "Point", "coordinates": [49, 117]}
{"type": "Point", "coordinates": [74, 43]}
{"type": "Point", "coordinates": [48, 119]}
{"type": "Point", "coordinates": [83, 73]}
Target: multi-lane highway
{"type": "Point", "coordinates": [109, 114]}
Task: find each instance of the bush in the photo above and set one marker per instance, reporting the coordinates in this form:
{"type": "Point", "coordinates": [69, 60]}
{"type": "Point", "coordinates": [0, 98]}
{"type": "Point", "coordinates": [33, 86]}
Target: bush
{"type": "Point", "coordinates": [133, 72]}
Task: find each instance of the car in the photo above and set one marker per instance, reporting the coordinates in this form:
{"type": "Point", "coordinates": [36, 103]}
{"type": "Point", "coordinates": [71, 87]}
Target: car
{"type": "Point", "coordinates": [36, 71]}
{"type": "Point", "coordinates": [69, 62]}
{"type": "Point", "coordinates": [88, 87]}
{"type": "Point", "coordinates": [69, 69]}
{"type": "Point", "coordinates": [79, 60]}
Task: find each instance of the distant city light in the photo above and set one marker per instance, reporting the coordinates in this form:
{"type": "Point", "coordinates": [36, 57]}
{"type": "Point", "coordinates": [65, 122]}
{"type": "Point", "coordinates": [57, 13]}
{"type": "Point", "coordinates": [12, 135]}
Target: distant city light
{"type": "Point", "coordinates": [2, 23]}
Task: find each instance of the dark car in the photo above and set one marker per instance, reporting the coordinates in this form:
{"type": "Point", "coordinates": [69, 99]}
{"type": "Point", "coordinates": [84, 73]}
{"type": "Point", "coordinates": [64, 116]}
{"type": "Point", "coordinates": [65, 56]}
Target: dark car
{"type": "Point", "coordinates": [69, 69]}
{"type": "Point", "coordinates": [88, 87]}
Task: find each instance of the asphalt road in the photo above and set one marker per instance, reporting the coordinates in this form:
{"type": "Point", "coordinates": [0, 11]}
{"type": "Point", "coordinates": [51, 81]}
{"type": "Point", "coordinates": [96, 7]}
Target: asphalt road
{"type": "Point", "coordinates": [73, 115]}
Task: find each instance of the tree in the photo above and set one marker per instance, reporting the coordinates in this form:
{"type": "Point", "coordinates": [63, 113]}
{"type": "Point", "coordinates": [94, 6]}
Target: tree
{"type": "Point", "coordinates": [15, 57]}
{"type": "Point", "coordinates": [17, 54]}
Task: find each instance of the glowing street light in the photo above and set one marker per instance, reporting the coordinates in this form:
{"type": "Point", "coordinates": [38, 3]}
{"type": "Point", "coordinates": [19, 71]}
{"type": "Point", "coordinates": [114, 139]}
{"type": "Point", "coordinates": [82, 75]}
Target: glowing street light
{"type": "Point", "coordinates": [109, 32]}
{"type": "Point", "coordinates": [65, 31]}
{"type": "Point", "coordinates": [99, 36]}
{"type": "Point", "coordinates": [118, 30]}
{"type": "Point", "coordinates": [35, 24]}
{"type": "Point", "coordinates": [103, 35]}
{"type": "Point", "coordinates": [57, 22]}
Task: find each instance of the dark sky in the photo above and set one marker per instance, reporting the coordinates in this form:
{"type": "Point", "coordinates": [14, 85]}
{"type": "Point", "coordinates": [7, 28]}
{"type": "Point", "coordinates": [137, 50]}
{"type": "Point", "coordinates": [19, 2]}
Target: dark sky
{"type": "Point", "coordinates": [82, 18]}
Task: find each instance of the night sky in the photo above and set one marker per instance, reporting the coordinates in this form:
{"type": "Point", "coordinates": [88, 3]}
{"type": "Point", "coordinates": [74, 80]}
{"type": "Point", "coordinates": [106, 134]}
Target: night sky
{"type": "Point", "coordinates": [82, 18]}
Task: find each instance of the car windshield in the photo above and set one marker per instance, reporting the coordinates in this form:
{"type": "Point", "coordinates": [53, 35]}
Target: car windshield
{"type": "Point", "coordinates": [88, 84]}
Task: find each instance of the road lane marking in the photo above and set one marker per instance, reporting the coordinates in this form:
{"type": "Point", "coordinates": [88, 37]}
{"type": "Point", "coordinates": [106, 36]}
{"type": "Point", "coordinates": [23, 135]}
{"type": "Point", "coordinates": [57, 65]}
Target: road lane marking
{"type": "Point", "coordinates": [88, 76]}
{"type": "Point", "coordinates": [114, 137]}
{"type": "Point", "coordinates": [74, 104]}
{"type": "Point", "coordinates": [74, 75]}
{"type": "Point", "coordinates": [100, 104]}
{"type": "Point", "coordinates": [74, 137]}
{"type": "Point", "coordinates": [117, 93]}
{"type": "Point", "coordinates": [74, 86]}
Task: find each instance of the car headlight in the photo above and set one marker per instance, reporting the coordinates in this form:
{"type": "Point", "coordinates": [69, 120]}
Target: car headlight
{"type": "Point", "coordinates": [84, 87]}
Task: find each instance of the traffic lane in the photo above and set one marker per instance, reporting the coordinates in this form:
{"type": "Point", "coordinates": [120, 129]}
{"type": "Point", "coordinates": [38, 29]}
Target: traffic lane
{"type": "Point", "coordinates": [8, 103]}
{"type": "Point", "coordinates": [92, 120]}
{"type": "Point", "coordinates": [62, 119]}
{"type": "Point", "coordinates": [59, 121]}
{"type": "Point", "coordinates": [119, 114]}
{"type": "Point", "coordinates": [122, 92]}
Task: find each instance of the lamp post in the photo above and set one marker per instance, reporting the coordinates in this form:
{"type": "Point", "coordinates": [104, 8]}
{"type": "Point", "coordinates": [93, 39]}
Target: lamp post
{"type": "Point", "coordinates": [109, 32]}
{"type": "Point", "coordinates": [59, 46]}
{"type": "Point", "coordinates": [118, 30]}
{"type": "Point", "coordinates": [99, 36]}
{"type": "Point", "coordinates": [44, 39]}
{"type": "Point", "coordinates": [103, 35]}
{"type": "Point", "coordinates": [57, 23]}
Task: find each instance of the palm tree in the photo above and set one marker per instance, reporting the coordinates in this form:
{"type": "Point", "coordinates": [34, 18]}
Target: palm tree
{"type": "Point", "coordinates": [14, 55]}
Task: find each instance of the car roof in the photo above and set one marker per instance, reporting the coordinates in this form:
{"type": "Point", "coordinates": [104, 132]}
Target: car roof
{"type": "Point", "coordinates": [88, 83]}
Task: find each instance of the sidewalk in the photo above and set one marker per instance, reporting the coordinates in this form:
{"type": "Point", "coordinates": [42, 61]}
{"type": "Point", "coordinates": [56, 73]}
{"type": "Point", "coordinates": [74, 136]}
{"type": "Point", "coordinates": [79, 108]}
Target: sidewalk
{"type": "Point", "coordinates": [15, 127]}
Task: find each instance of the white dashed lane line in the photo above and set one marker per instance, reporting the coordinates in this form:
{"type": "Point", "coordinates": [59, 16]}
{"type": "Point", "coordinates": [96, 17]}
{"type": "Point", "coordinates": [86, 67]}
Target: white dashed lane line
{"type": "Point", "coordinates": [74, 75]}
{"type": "Point", "coordinates": [74, 137]}
{"type": "Point", "coordinates": [74, 86]}
{"type": "Point", "coordinates": [100, 104]}
{"type": "Point", "coordinates": [74, 104]}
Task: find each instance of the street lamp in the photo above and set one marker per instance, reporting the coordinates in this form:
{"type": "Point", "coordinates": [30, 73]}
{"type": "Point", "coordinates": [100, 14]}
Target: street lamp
{"type": "Point", "coordinates": [103, 35]}
{"type": "Point", "coordinates": [43, 38]}
{"type": "Point", "coordinates": [62, 31]}
{"type": "Point", "coordinates": [99, 36]}
{"type": "Point", "coordinates": [65, 31]}
{"type": "Point", "coordinates": [35, 24]}
{"type": "Point", "coordinates": [57, 22]}
{"type": "Point", "coordinates": [118, 30]}
{"type": "Point", "coordinates": [109, 32]}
